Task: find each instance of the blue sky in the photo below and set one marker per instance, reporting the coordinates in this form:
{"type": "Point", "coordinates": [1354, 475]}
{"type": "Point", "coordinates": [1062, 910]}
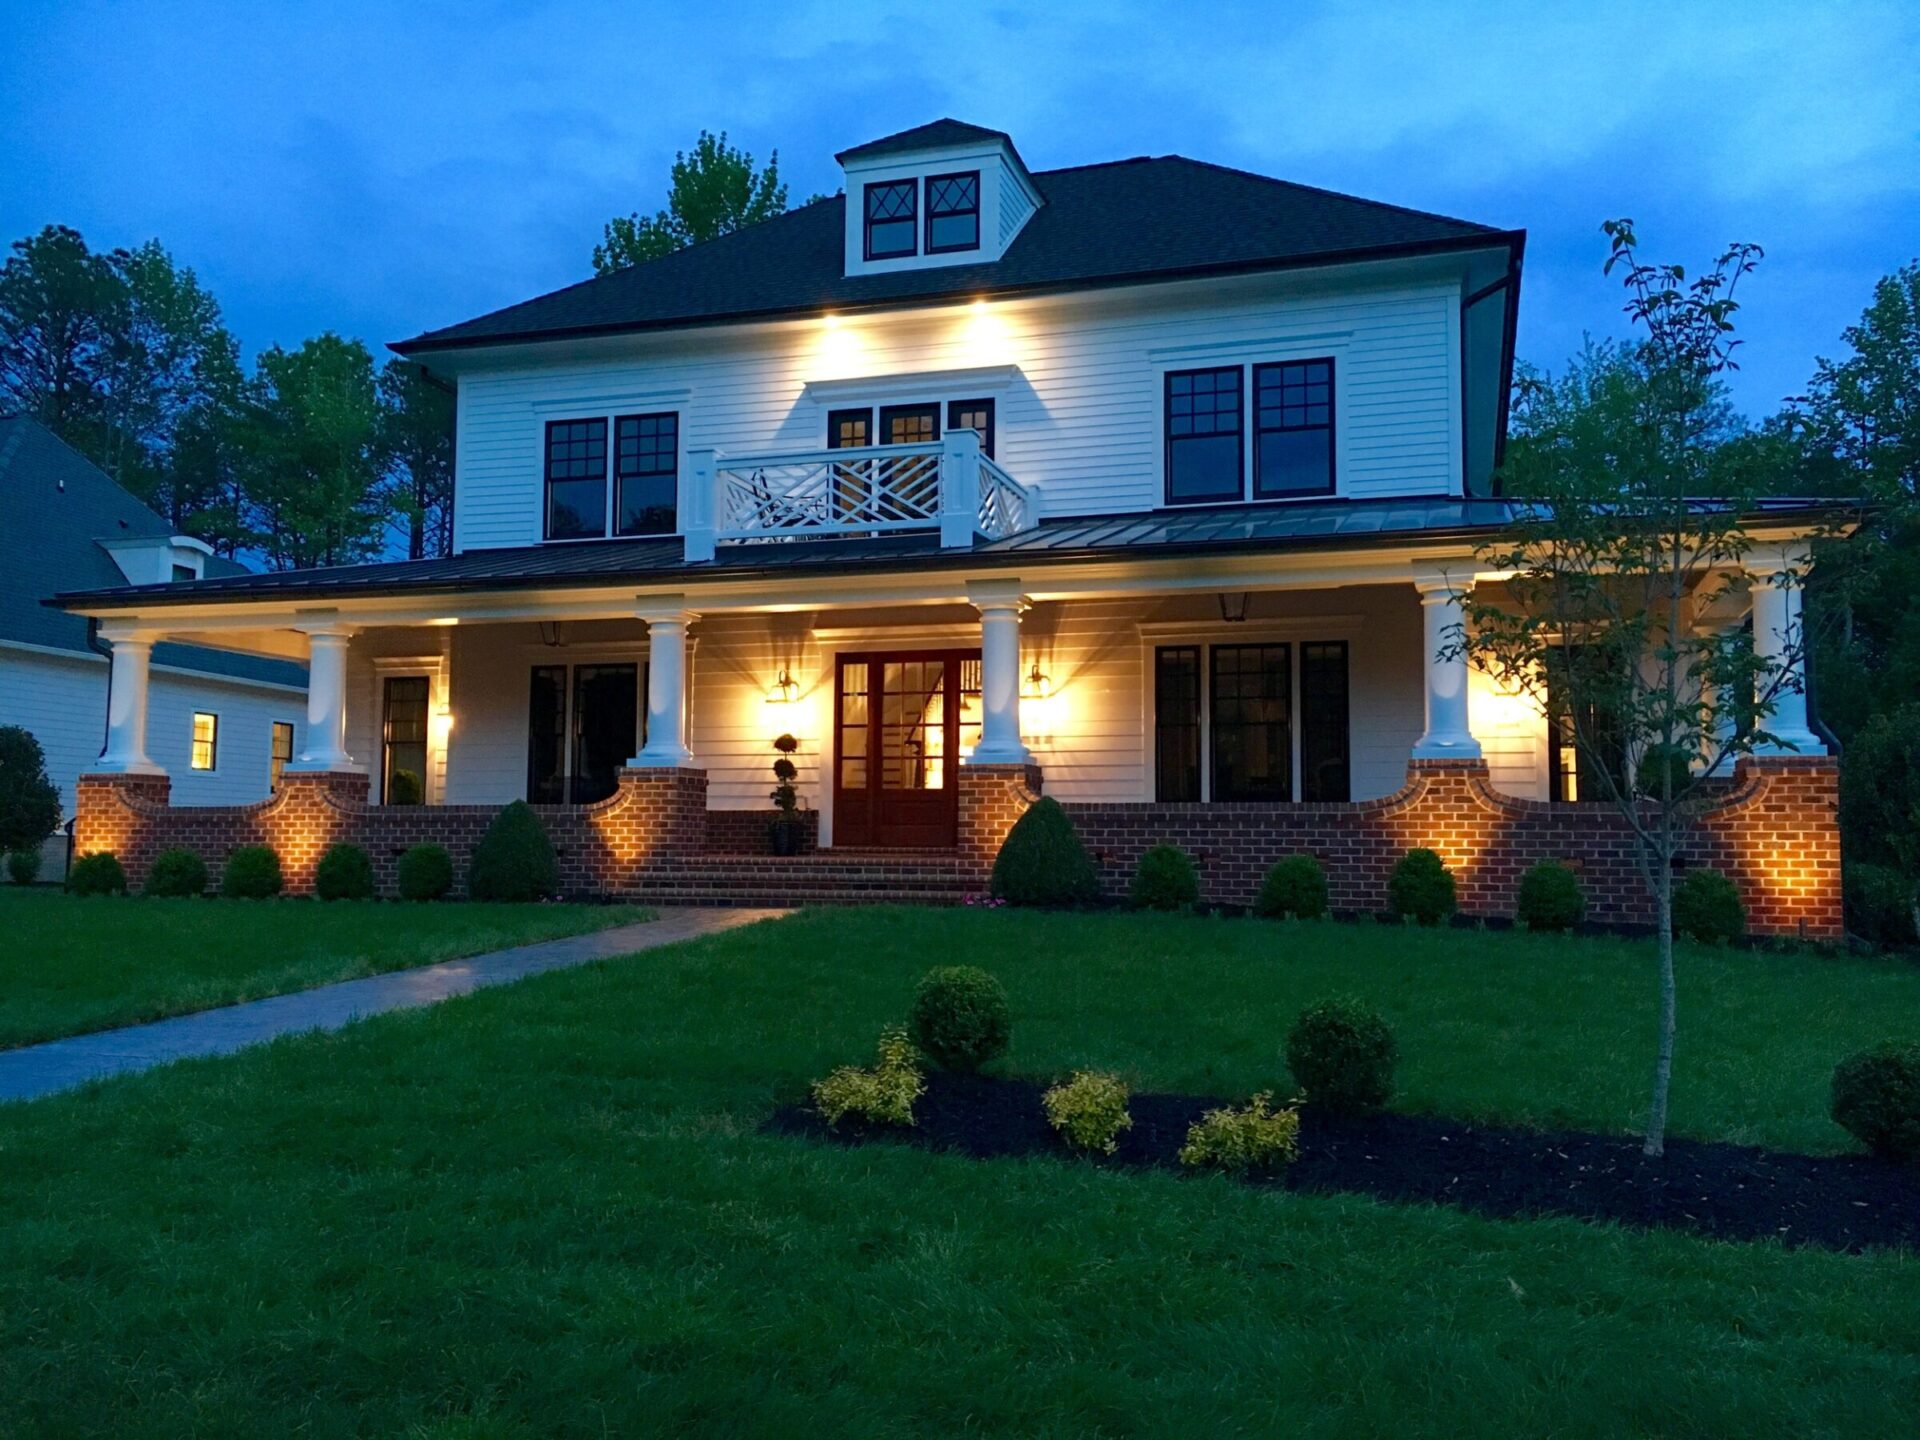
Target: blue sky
{"type": "Point", "coordinates": [380, 169]}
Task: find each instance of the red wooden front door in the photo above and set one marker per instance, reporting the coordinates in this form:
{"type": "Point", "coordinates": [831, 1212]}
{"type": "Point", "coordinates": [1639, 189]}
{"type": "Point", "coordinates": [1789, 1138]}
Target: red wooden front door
{"type": "Point", "coordinates": [901, 721]}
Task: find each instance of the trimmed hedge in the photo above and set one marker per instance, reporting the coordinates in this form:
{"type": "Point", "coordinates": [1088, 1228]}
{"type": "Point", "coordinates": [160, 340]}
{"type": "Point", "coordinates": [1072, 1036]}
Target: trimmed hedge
{"type": "Point", "coordinates": [345, 873]}
{"type": "Point", "coordinates": [960, 1017]}
{"type": "Point", "coordinates": [98, 874]}
{"type": "Point", "coordinates": [425, 872]}
{"type": "Point", "coordinates": [1295, 887]}
{"type": "Point", "coordinates": [1042, 862]}
{"type": "Point", "coordinates": [1550, 898]}
{"type": "Point", "coordinates": [175, 873]}
{"type": "Point", "coordinates": [1876, 1099]}
{"type": "Point", "coordinates": [252, 873]}
{"type": "Point", "coordinates": [1707, 908]}
{"type": "Point", "coordinates": [1165, 880]}
{"type": "Point", "coordinates": [514, 860]}
{"type": "Point", "coordinates": [1421, 888]}
{"type": "Point", "coordinates": [1342, 1054]}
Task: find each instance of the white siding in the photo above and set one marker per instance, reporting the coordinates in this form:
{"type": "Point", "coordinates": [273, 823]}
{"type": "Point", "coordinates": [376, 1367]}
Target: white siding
{"type": "Point", "coordinates": [1081, 418]}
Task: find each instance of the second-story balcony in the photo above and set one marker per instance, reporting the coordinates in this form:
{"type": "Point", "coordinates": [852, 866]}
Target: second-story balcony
{"type": "Point", "coordinates": [949, 486]}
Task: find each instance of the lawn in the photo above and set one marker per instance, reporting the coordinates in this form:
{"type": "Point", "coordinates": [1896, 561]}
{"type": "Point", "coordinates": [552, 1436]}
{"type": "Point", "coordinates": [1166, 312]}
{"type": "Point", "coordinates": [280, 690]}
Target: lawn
{"type": "Point", "coordinates": [71, 965]}
{"type": "Point", "coordinates": [550, 1210]}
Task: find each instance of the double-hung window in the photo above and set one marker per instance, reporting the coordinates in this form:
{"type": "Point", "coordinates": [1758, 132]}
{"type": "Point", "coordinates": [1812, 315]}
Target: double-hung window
{"type": "Point", "coordinates": [627, 487]}
{"type": "Point", "coordinates": [576, 479]}
{"type": "Point", "coordinates": [1266, 721]}
{"type": "Point", "coordinates": [205, 754]}
{"type": "Point", "coordinates": [1293, 429]}
{"type": "Point", "coordinates": [1289, 408]}
{"type": "Point", "coordinates": [953, 213]}
{"type": "Point", "coordinates": [1203, 435]}
{"type": "Point", "coordinates": [892, 219]}
{"type": "Point", "coordinates": [646, 473]}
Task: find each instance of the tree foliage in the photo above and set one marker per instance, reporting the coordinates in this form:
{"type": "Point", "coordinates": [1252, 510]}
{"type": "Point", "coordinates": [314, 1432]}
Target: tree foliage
{"type": "Point", "coordinates": [715, 190]}
{"type": "Point", "coordinates": [416, 441]}
{"type": "Point", "coordinates": [29, 802]}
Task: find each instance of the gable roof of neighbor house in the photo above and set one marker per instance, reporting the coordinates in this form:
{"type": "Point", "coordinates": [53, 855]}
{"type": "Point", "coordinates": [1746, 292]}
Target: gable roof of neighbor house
{"type": "Point", "coordinates": [58, 506]}
{"type": "Point", "coordinates": [1126, 222]}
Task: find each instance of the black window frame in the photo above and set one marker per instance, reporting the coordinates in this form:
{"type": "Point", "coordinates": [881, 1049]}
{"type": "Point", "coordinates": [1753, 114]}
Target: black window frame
{"type": "Point", "coordinates": [1318, 735]}
{"type": "Point", "coordinates": [957, 407]}
{"type": "Point", "coordinates": [863, 413]}
{"type": "Point", "coordinates": [1262, 430]}
{"type": "Point", "coordinates": [547, 476]}
{"type": "Point", "coordinates": [559, 726]}
{"type": "Point", "coordinates": [1218, 790]}
{"type": "Point", "coordinates": [931, 214]}
{"type": "Point", "coordinates": [418, 692]}
{"type": "Point", "coordinates": [621, 476]}
{"type": "Point", "coordinates": [1326, 771]}
{"type": "Point", "coordinates": [1184, 746]}
{"type": "Point", "coordinates": [912, 189]}
{"type": "Point", "coordinates": [276, 762]}
{"type": "Point", "coordinates": [1169, 439]}
{"type": "Point", "coordinates": [889, 412]}
{"type": "Point", "coordinates": [1591, 785]}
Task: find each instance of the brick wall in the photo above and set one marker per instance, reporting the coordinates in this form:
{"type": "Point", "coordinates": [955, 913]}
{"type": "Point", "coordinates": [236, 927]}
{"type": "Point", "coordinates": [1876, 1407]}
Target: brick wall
{"type": "Point", "coordinates": [744, 832]}
{"type": "Point", "coordinates": [991, 798]}
{"type": "Point", "coordinates": [1775, 834]}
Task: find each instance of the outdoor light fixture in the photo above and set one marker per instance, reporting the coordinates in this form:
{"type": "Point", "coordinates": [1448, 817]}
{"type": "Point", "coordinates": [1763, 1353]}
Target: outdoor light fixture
{"type": "Point", "coordinates": [783, 690]}
{"type": "Point", "coordinates": [1233, 608]}
{"type": "Point", "coordinates": [1038, 686]}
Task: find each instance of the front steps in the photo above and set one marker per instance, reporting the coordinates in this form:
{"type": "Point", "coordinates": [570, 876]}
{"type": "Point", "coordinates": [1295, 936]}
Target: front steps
{"type": "Point", "coordinates": [821, 877]}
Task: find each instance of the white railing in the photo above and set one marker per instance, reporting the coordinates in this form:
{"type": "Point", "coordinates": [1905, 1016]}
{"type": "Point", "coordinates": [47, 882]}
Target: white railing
{"type": "Point", "coordinates": [947, 486]}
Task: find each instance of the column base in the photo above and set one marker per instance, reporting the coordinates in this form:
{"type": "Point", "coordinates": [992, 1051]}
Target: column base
{"type": "Point", "coordinates": [342, 766]}
{"type": "Point", "coordinates": [1004, 755]}
{"type": "Point", "coordinates": [1445, 748]}
{"type": "Point", "coordinates": [125, 767]}
{"type": "Point", "coordinates": [679, 759]}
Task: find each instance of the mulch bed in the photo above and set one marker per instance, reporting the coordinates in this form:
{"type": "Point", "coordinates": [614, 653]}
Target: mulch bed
{"type": "Point", "coordinates": [1729, 1192]}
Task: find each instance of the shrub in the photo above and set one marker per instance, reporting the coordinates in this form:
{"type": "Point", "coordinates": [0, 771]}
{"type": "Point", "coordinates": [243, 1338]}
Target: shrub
{"type": "Point", "coordinates": [1089, 1110]}
{"type": "Point", "coordinates": [1421, 888]}
{"type": "Point", "coordinates": [252, 873]}
{"type": "Point", "coordinates": [1551, 898]}
{"type": "Point", "coordinates": [1256, 1138]}
{"type": "Point", "coordinates": [1042, 862]}
{"type": "Point", "coordinates": [404, 787]}
{"type": "Point", "coordinates": [23, 866]}
{"type": "Point", "coordinates": [1295, 886]}
{"type": "Point", "coordinates": [884, 1094]}
{"type": "Point", "coordinates": [176, 872]}
{"type": "Point", "coordinates": [960, 1017]}
{"type": "Point", "coordinates": [1342, 1055]}
{"type": "Point", "coordinates": [1880, 790]}
{"type": "Point", "coordinates": [29, 801]}
{"type": "Point", "coordinates": [1707, 908]}
{"type": "Point", "coordinates": [1876, 1099]}
{"type": "Point", "coordinates": [345, 873]}
{"type": "Point", "coordinates": [514, 859]}
{"type": "Point", "coordinates": [1880, 902]}
{"type": "Point", "coordinates": [1165, 880]}
{"type": "Point", "coordinates": [425, 872]}
{"type": "Point", "coordinates": [97, 874]}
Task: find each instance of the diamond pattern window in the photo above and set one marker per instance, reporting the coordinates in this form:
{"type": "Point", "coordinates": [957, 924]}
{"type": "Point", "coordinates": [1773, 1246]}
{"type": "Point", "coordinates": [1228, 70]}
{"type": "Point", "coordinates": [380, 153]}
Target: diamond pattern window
{"type": "Point", "coordinates": [893, 222]}
{"type": "Point", "coordinates": [953, 212]}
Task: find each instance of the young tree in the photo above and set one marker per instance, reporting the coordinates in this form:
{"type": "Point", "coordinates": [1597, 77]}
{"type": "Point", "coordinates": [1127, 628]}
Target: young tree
{"type": "Point", "coordinates": [29, 803]}
{"type": "Point", "coordinates": [715, 191]}
{"type": "Point", "coordinates": [416, 421]}
{"type": "Point", "coordinates": [1618, 569]}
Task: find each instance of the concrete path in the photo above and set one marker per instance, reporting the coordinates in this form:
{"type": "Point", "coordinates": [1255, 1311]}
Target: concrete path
{"type": "Point", "coordinates": [35, 1070]}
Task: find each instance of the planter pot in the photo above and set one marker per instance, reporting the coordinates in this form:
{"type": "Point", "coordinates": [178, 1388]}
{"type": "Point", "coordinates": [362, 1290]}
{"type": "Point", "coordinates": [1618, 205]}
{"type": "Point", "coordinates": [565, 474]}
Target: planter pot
{"type": "Point", "coordinates": [784, 835]}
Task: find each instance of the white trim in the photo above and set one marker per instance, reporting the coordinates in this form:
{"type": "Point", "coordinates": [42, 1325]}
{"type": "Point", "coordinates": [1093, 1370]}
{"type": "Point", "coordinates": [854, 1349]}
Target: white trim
{"type": "Point", "coordinates": [979, 380]}
{"type": "Point", "coordinates": [94, 657]}
{"type": "Point", "coordinates": [1248, 356]}
{"type": "Point", "coordinates": [592, 406]}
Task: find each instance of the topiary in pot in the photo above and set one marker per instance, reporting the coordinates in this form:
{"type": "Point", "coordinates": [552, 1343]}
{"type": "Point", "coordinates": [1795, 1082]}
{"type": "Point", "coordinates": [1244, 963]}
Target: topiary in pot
{"type": "Point", "coordinates": [784, 833]}
{"type": "Point", "coordinates": [425, 872]}
{"type": "Point", "coordinates": [1042, 861]}
{"type": "Point", "coordinates": [23, 866]}
{"type": "Point", "coordinates": [1165, 880]}
{"type": "Point", "coordinates": [1342, 1054]}
{"type": "Point", "coordinates": [97, 874]}
{"type": "Point", "coordinates": [1876, 1099]}
{"type": "Point", "coordinates": [1707, 908]}
{"type": "Point", "coordinates": [252, 873]}
{"type": "Point", "coordinates": [960, 1018]}
{"type": "Point", "coordinates": [1296, 886]}
{"type": "Point", "coordinates": [514, 859]}
{"type": "Point", "coordinates": [345, 873]}
{"type": "Point", "coordinates": [1550, 898]}
{"type": "Point", "coordinates": [176, 873]}
{"type": "Point", "coordinates": [1421, 888]}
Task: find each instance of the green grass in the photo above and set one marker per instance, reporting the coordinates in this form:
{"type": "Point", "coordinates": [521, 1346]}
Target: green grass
{"type": "Point", "coordinates": [549, 1210]}
{"type": "Point", "coordinates": [69, 965]}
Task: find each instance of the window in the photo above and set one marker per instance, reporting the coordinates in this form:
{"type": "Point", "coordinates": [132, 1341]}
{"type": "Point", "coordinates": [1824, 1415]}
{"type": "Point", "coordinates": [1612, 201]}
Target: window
{"type": "Point", "coordinates": [1580, 774]}
{"type": "Point", "coordinates": [849, 429]}
{"type": "Point", "coordinates": [953, 212]}
{"type": "Point", "coordinates": [580, 734]}
{"type": "Point", "coordinates": [1293, 429]}
{"type": "Point", "coordinates": [183, 572]}
{"type": "Point", "coordinates": [1203, 435]}
{"type": "Point", "coordinates": [1252, 712]}
{"type": "Point", "coordinates": [1325, 762]}
{"type": "Point", "coordinates": [1176, 722]}
{"type": "Point", "coordinates": [206, 740]}
{"type": "Point", "coordinates": [576, 479]}
{"type": "Point", "coordinates": [646, 469]}
{"type": "Point", "coordinates": [973, 415]}
{"type": "Point", "coordinates": [281, 754]}
{"type": "Point", "coordinates": [892, 219]}
{"type": "Point", "coordinates": [403, 740]}
{"type": "Point", "coordinates": [909, 425]}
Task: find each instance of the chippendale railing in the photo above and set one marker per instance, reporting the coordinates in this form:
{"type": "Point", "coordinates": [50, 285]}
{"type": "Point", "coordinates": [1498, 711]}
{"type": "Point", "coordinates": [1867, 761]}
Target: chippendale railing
{"type": "Point", "coordinates": [948, 486]}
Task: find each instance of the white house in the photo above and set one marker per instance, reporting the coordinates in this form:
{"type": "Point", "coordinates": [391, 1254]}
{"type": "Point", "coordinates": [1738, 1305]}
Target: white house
{"type": "Point", "coordinates": [1155, 481]}
{"type": "Point", "coordinates": [221, 722]}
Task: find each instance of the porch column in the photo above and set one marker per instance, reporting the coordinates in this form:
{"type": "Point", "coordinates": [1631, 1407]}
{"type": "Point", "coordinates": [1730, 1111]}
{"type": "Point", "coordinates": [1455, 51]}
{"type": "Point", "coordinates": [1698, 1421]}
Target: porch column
{"type": "Point", "coordinates": [1000, 606]}
{"type": "Point", "coordinates": [666, 746]}
{"type": "Point", "coordinates": [126, 748]}
{"type": "Point", "coordinates": [1780, 639]}
{"type": "Point", "coordinates": [1448, 736]}
{"type": "Point", "coordinates": [326, 743]}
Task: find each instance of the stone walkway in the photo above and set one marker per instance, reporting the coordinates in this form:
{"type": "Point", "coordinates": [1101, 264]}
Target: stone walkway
{"type": "Point", "coordinates": [35, 1070]}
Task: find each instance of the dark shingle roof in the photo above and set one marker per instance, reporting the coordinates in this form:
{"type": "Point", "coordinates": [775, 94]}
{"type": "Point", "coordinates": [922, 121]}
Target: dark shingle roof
{"type": "Point", "coordinates": [58, 505]}
{"type": "Point", "coordinates": [1125, 222]}
{"type": "Point", "coordinates": [935, 135]}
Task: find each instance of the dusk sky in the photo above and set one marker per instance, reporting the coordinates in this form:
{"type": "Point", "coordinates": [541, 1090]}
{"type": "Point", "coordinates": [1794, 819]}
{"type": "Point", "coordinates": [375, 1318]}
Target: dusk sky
{"type": "Point", "coordinates": [380, 169]}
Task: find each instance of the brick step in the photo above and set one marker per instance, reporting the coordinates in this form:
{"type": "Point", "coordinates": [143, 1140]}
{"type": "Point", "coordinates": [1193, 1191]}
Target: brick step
{"type": "Point", "coordinates": [822, 877]}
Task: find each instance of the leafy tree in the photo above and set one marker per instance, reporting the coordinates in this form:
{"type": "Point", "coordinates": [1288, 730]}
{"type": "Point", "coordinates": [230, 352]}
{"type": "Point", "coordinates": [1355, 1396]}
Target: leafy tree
{"type": "Point", "coordinates": [715, 191]}
{"type": "Point", "coordinates": [57, 304]}
{"type": "Point", "coordinates": [1616, 568]}
{"type": "Point", "coordinates": [29, 802]}
{"type": "Point", "coordinates": [416, 425]}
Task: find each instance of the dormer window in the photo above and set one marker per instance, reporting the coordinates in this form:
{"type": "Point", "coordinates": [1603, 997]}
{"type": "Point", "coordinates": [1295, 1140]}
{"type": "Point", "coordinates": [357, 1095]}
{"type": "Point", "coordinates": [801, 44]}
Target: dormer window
{"type": "Point", "coordinates": [893, 221]}
{"type": "Point", "coordinates": [953, 212]}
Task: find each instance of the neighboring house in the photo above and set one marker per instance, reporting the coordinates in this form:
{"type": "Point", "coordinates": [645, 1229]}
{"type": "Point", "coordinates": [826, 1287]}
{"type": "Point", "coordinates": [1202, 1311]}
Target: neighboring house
{"type": "Point", "coordinates": [216, 719]}
{"type": "Point", "coordinates": [1154, 483]}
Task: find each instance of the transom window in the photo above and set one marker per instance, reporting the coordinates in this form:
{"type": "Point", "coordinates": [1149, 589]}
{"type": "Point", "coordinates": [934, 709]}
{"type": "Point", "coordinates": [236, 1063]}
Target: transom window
{"type": "Point", "coordinates": [646, 474]}
{"type": "Point", "coordinates": [1293, 434]}
{"type": "Point", "coordinates": [1256, 722]}
{"type": "Point", "coordinates": [892, 219]}
{"type": "Point", "coordinates": [576, 479]}
{"type": "Point", "coordinates": [953, 212]}
{"type": "Point", "coordinates": [1292, 404]}
{"type": "Point", "coordinates": [629, 488]}
{"type": "Point", "coordinates": [1203, 435]}
{"type": "Point", "coordinates": [206, 741]}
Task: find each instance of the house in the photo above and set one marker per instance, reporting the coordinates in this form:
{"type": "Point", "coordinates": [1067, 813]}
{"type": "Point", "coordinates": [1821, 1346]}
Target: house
{"type": "Point", "coordinates": [222, 723]}
{"type": "Point", "coordinates": [1154, 485]}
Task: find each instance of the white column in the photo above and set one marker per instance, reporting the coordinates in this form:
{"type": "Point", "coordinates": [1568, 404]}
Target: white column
{"type": "Point", "coordinates": [326, 739]}
{"type": "Point", "coordinates": [1448, 736]}
{"type": "Point", "coordinates": [126, 749]}
{"type": "Point", "coordinates": [1000, 607]}
{"type": "Point", "coordinates": [1780, 639]}
{"type": "Point", "coordinates": [666, 745]}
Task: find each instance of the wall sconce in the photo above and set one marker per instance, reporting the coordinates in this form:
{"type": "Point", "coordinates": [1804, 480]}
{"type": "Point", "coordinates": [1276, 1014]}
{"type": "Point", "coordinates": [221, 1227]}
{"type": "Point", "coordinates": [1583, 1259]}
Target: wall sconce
{"type": "Point", "coordinates": [783, 691]}
{"type": "Point", "coordinates": [1036, 686]}
{"type": "Point", "coordinates": [1233, 608]}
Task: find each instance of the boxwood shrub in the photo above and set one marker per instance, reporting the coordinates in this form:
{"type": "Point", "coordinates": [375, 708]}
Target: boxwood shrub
{"type": "Point", "coordinates": [1707, 908]}
{"type": "Point", "coordinates": [1165, 880]}
{"type": "Point", "coordinates": [514, 859]}
{"type": "Point", "coordinates": [1876, 1099]}
{"type": "Point", "coordinates": [1295, 887]}
{"type": "Point", "coordinates": [176, 872]}
{"type": "Point", "coordinates": [1421, 888]}
{"type": "Point", "coordinates": [1042, 862]}
{"type": "Point", "coordinates": [252, 873]}
{"type": "Point", "coordinates": [1342, 1054]}
{"type": "Point", "coordinates": [97, 874]}
{"type": "Point", "coordinates": [1551, 898]}
{"type": "Point", "coordinates": [345, 873]}
{"type": "Point", "coordinates": [425, 872]}
{"type": "Point", "coordinates": [23, 866]}
{"type": "Point", "coordinates": [961, 1018]}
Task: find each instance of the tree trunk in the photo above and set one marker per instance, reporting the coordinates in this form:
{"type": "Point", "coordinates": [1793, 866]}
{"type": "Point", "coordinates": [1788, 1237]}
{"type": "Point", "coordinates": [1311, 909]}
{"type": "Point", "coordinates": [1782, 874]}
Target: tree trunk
{"type": "Point", "coordinates": [1656, 1144]}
